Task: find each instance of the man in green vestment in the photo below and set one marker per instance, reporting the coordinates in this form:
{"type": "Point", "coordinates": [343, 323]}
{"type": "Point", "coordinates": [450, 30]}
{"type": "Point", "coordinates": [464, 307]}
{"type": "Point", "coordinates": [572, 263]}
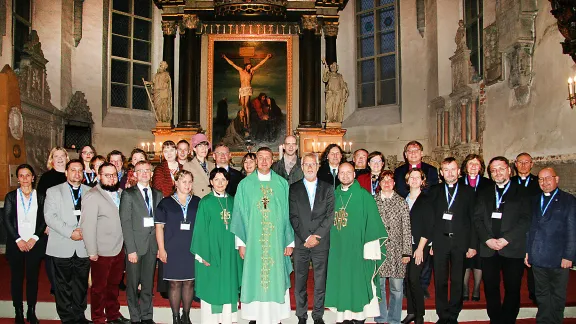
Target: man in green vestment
{"type": "Point", "coordinates": [356, 251]}
{"type": "Point", "coordinates": [265, 240]}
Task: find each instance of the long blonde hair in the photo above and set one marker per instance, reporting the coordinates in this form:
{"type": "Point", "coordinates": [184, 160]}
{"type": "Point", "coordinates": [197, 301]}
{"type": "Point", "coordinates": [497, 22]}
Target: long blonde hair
{"type": "Point", "coordinates": [49, 164]}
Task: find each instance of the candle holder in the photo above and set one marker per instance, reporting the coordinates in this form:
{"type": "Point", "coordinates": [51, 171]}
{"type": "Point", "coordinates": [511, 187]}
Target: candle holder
{"type": "Point", "coordinates": [572, 92]}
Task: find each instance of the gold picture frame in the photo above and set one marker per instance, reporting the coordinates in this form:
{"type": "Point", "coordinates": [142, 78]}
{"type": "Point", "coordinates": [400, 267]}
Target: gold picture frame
{"type": "Point", "coordinates": [212, 41]}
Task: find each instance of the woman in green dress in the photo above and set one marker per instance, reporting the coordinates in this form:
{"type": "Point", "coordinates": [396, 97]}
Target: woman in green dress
{"type": "Point", "coordinates": [218, 264]}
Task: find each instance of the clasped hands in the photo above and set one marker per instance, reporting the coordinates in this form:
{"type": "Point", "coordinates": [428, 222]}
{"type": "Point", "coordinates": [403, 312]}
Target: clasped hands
{"type": "Point", "coordinates": [77, 235]}
{"type": "Point", "coordinates": [312, 241]}
{"type": "Point", "coordinates": [26, 246]}
{"type": "Point", "coordinates": [497, 244]}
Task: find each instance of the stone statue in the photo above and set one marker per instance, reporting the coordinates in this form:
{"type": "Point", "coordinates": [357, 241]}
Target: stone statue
{"type": "Point", "coordinates": [336, 93]}
{"type": "Point", "coordinates": [460, 38]}
{"type": "Point", "coordinates": [161, 98]}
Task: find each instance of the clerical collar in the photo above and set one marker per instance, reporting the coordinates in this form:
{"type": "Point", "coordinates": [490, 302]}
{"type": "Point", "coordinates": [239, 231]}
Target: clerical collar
{"type": "Point", "coordinates": [73, 187]}
{"type": "Point", "coordinates": [450, 185]}
{"type": "Point", "coordinates": [418, 165]}
{"type": "Point", "coordinates": [224, 195]}
{"type": "Point", "coordinates": [264, 177]}
{"type": "Point", "coordinates": [345, 188]}
{"type": "Point", "coordinates": [523, 178]}
{"type": "Point", "coordinates": [547, 194]}
{"type": "Point", "coordinates": [503, 185]}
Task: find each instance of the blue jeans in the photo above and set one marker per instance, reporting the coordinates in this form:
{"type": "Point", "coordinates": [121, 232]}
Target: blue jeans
{"type": "Point", "coordinates": [393, 313]}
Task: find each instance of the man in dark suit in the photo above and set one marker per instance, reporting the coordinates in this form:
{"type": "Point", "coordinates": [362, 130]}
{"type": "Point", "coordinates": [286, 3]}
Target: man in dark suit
{"type": "Point", "coordinates": [288, 167]}
{"type": "Point", "coordinates": [330, 160]}
{"type": "Point", "coordinates": [453, 238]}
{"type": "Point", "coordinates": [222, 158]}
{"type": "Point", "coordinates": [311, 215]}
{"type": "Point", "coordinates": [502, 218]}
{"type": "Point", "coordinates": [137, 210]}
{"type": "Point", "coordinates": [413, 152]}
{"type": "Point", "coordinates": [551, 246]}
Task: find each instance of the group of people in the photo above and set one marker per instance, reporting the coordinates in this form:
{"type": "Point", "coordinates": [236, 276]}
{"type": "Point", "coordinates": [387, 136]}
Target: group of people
{"type": "Point", "coordinates": [228, 236]}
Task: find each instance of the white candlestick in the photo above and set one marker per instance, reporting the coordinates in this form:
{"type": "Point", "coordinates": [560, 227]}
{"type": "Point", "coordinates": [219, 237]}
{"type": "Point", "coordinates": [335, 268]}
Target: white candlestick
{"type": "Point", "coordinates": [148, 147]}
{"type": "Point", "coordinates": [142, 146]}
{"type": "Point", "coordinates": [350, 146]}
{"type": "Point", "coordinates": [314, 146]}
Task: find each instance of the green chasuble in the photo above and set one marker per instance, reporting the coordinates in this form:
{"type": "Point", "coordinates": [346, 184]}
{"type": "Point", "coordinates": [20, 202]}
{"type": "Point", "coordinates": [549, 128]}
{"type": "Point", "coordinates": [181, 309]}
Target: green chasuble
{"type": "Point", "coordinates": [348, 284]}
{"type": "Point", "coordinates": [260, 219]}
{"type": "Point", "coordinates": [219, 283]}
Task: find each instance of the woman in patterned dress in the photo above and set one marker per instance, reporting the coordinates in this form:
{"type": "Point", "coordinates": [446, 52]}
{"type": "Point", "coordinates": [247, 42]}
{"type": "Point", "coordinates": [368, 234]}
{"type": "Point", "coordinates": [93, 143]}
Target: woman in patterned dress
{"type": "Point", "coordinates": [396, 217]}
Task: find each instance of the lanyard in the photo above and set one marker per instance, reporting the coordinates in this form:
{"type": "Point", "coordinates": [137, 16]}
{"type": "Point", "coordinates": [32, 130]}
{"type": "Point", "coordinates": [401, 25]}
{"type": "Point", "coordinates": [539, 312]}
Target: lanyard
{"type": "Point", "coordinates": [147, 201]}
{"type": "Point", "coordinates": [184, 208]}
{"type": "Point", "coordinates": [448, 200]}
{"type": "Point", "coordinates": [75, 200]}
{"type": "Point", "coordinates": [477, 181]}
{"type": "Point", "coordinates": [26, 209]}
{"type": "Point", "coordinates": [499, 198]}
{"type": "Point", "coordinates": [542, 208]}
{"type": "Point", "coordinates": [91, 179]}
{"type": "Point", "coordinates": [527, 181]}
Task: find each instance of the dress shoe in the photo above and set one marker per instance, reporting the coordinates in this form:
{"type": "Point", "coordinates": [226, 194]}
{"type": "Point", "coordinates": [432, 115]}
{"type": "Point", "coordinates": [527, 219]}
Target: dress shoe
{"type": "Point", "coordinates": [164, 295]}
{"type": "Point", "coordinates": [19, 318]}
{"type": "Point", "coordinates": [409, 319]}
{"type": "Point", "coordinates": [319, 321]}
{"type": "Point", "coordinates": [122, 286]}
{"type": "Point", "coordinates": [185, 319]}
{"type": "Point", "coordinates": [176, 319]}
{"type": "Point", "coordinates": [426, 294]}
{"type": "Point", "coordinates": [475, 298]}
{"type": "Point", "coordinates": [466, 298]}
{"type": "Point", "coordinates": [31, 315]}
{"type": "Point", "coordinates": [252, 322]}
{"type": "Point", "coordinates": [84, 321]}
{"type": "Point", "coordinates": [148, 321]}
{"type": "Point", "coordinates": [120, 320]}
{"type": "Point", "coordinates": [302, 320]}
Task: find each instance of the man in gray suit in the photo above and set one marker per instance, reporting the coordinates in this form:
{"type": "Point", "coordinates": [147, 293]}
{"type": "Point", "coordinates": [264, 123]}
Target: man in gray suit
{"type": "Point", "coordinates": [102, 233]}
{"type": "Point", "coordinates": [66, 245]}
{"type": "Point", "coordinates": [311, 215]}
{"type": "Point", "coordinates": [137, 209]}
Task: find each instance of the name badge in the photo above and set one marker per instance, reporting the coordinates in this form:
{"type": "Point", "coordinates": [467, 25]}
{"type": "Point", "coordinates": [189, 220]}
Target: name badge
{"type": "Point", "coordinates": [184, 226]}
{"type": "Point", "coordinates": [77, 212]}
{"type": "Point", "coordinates": [497, 215]}
{"type": "Point", "coordinates": [447, 216]}
{"type": "Point", "coordinates": [148, 221]}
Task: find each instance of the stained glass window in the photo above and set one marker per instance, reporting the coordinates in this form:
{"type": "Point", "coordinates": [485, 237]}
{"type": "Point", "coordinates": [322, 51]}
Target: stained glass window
{"type": "Point", "coordinates": [377, 52]}
{"type": "Point", "coordinates": [473, 21]}
{"type": "Point", "coordinates": [131, 46]}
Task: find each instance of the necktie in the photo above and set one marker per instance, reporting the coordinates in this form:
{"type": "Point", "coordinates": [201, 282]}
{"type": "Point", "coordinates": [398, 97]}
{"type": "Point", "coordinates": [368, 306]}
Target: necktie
{"type": "Point", "coordinates": [147, 199]}
{"type": "Point", "coordinates": [204, 167]}
{"type": "Point", "coordinates": [334, 172]}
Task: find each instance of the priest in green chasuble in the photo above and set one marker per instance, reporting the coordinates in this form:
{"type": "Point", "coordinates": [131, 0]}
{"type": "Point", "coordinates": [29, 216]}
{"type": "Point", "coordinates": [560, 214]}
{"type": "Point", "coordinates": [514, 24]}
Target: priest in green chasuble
{"type": "Point", "coordinates": [218, 265]}
{"type": "Point", "coordinates": [356, 251]}
{"type": "Point", "coordinates": [265, 240]}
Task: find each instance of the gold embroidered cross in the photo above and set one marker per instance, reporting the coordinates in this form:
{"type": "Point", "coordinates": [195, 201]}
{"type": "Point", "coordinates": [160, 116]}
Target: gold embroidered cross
{"type": "Point", "coordinates": [225, 215]}
{"type": "Point", "coordinates": [265, 192]}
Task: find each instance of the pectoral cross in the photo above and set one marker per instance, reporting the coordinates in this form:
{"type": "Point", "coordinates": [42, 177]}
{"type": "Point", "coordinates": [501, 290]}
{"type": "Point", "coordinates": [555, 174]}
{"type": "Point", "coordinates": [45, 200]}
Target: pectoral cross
{"type": "Point", "coordinates": [340, 218]}
{"type": "Point", "coordinates": [225, 215]}
{"type": "Point", "coordinates": [265, 192]}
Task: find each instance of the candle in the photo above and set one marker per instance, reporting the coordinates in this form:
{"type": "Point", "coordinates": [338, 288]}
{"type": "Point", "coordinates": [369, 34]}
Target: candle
{"type": "Point", "coordinates": [339, 144]}
{"type": "Point", "coordinates": [344, 148]}
{"type": "Point", "coordinates": [142, 146]}
{"type": "Point", "coordinates": [314, 146]}
{"type": "Point", "coordinates": [154, 144]}
{"type": "Point", "coordinates": [350, 146]}
{"type": "Point", "coordinates": [148, 145]}
{"type": "Point", "coordinates": [570, 86]}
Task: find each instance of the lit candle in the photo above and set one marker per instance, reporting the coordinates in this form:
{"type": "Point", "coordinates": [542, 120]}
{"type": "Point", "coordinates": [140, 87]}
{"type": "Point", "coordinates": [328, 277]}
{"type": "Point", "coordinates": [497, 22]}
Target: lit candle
{"type": "Point", "coordinates": [350, 146]}
{"type": "Point", "coordinates": [344, 148]}
{"type": "Point", "coordinates": [154, 144]}
{"type": "Point", "coordinates": [339, 144]}
{"type": "Point", "coordinates": [148, 145]}
{"type": "Point", "coordinates": [314, 146]}
{"type": "Point", "coordinates": [324, 145]}
{"type": "Point", "coordinates": [570, 86]}
{"type": "Point", "coordinates": [142, 146]}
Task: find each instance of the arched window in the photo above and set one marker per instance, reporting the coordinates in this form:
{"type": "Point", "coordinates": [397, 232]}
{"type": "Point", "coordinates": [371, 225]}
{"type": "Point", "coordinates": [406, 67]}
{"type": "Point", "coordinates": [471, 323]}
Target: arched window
{"type": "Point", "coordinates": [473, 12]}
{"type": "Point", "coordinates": [21, 27]}
{"type": "Point", "coordinates": [377, 52]}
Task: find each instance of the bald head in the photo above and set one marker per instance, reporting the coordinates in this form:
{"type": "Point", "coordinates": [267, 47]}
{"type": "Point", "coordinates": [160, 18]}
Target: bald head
{"type": "Point", "coordinates": [346, 174]}
{"type": "Point", "coordinates": [548, 180]}
{"type": "Point", "coordinates": [290, 145]}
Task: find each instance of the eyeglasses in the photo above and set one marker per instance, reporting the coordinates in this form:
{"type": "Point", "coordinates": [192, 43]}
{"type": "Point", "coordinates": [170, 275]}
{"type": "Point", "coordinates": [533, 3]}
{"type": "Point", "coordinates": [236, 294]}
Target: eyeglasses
{"type": "Point", "coordinates": [309, 165]}
{"type": "Point", "coordinates": [376, 161]}
{"type": "Point", "coordinates": [413, 151]}
{"type": "Point", "coordinates": [546, 179]}
{"type": "Point", "coordinates": [144, 171]}
{"type": "Point", "coordinates": [88, 153]}
{"type": "Point", "coordinates": [110, 175]}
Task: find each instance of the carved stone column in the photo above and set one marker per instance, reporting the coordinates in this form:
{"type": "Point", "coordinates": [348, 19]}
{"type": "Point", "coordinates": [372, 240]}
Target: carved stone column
{"type": "Point", "coordinates": [169, 31]}
{"type": "Point", "coordinates": [330, 34]}
{"type": "Point", "coordinates": [309, 73]}
{"type": "Point", "coordinates": [190, 56]}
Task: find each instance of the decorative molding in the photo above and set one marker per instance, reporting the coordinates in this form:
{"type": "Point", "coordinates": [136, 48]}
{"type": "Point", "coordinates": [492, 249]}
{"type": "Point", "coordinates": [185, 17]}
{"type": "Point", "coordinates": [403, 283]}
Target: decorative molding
{"type": "Point", "coordinates": [78, 109]}
{"type": "Point", "coordinates": [421, 16]}
{"type": "Point", "coordinates": [330, 28]}
{"type": "Point", "coordinates": [189, 22]}
{"type": "Point", "coordinates": [161, 3]}
{"type": "Point", "coordinates": [32, 76]}
{"type": "Point", "coordinates": [251, 8]}
{"type": "Point", "coordinates": [250, 28]}
{"type": "Point", "coordinates": [78, 10]}
{"type": "Point", "coordinates": [309, 22]}
{"type": "Point", "coordinates": [492, 55]}
{"type": "Point", "coordinates": [169, 27]}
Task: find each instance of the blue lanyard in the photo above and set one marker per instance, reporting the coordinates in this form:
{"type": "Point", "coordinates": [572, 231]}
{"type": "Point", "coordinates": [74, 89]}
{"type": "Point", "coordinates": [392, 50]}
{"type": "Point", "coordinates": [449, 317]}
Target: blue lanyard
{"type": "Point", "coordinates": [184, 208]}
{"type": "Point", "coordinates": [448, 200]}
{"type": "Point", "coordinates": [148, 205]}
{"type": "Point", "coordinates": [74, 200]}
{"type": "Point", "coordinates": [26, 209]}
{"type": "Point", "coordinates": [91, 177]}
{"type": "Point", "coordinates": [477, 181]}
{"type": "Point", "coordinates": [527, 181]}
{"type": "Point", "coordinates": [499, 198]}
{"type": "Point", "coordinates": [542, 208]}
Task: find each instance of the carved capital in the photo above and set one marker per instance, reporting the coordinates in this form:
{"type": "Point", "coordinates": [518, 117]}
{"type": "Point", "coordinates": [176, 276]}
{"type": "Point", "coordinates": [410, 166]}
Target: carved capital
{"type": "Point", "coordinates": [168, 27]}
{"type": "Point", "coordinates": [309, 22]}
{"type": "Point", "coordinates": [189, 21]}
{"type": "Point", "coordinates": [331, 28]}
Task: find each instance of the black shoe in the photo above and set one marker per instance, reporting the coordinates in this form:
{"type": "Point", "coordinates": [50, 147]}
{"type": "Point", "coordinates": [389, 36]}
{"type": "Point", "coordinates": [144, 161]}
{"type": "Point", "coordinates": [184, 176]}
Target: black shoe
{"type": "Point", "coordinates": [419, 320]}
{"type": "Point", "coordinates": [426, 294]}
{"type": "Point", "coordinates": [19, 318]}
{"type": "Point", "coordinates": [122, 286]}
{"type": "Point", "coordinates": [176, 319]}
{"type": "Point", "coordinates": [120, 320]}
{"type": "Point", "coordinates": [319, 321]}
{"type": "Point", "coordinates": [475, 298]}
{"type": "Point", "coordinates": [148, 321]}
{"type": "Point", "coordinates": [302, 320]}
{"type": "Point", "coordinates": [185, 319]}
{"type": "Point", "coordinates": [164, 295]}
{"type": "Point", "coordinates": [409, 319]}
{"type": "Point", "coordinates": [31, 315]}
{"type": "Point", "coordinates": [252, 322]}
{"type": "Point", "coordinates": [466, 298]}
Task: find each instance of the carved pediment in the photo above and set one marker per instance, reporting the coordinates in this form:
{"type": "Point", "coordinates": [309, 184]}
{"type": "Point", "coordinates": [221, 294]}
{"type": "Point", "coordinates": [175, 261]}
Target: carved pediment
{"type": "Point", "coordinates": [78, 110]}
{"type": "Point", "coordinates": [32, 76]}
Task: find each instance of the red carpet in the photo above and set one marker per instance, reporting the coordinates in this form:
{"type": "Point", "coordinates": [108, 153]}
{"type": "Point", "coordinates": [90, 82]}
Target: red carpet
{"type": "Point", "coordinates": [522, 321]}
{"type": "Point", "coordinates": [44, 292]}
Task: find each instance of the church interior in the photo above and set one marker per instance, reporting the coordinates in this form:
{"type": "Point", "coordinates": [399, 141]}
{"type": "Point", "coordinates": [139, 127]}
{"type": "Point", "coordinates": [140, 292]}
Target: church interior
{"type": "Point", "coordinates": [490, 77]}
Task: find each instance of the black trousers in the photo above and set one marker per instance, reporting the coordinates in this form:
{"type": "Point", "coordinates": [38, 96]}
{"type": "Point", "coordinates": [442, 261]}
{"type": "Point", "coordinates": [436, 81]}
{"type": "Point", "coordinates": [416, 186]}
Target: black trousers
{"type": "Point", "coordinates": [530, 282]}
{"type": "Point", "coordinates": [449, 267]}
{"type": "Point", "coordinates": [512, 270]}
{"type": "Point", "coordinates": [25, 265]}
{"type": "Point", "coordinates": [302, 258]}
{"type": "Point", "coordinates": [414, 289]}
{"type": "Point", "coordinates": [426, 275]}
{"type": "Point", "coordinates": [551, 286]}
{"type": "Point", "coordinates": [71, 287]}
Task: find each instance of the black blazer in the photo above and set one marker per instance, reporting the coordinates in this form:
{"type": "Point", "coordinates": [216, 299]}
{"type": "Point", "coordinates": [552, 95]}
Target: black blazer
{"type": "Point", "coordinates": [325, 175]}
{"type": "Point", "coordinates": [515, 223]}
{"type": "Point", "coordinates": [400, 178]}
{"type": "Point", "coordinates": [464, 236]}
{"type": "Point", "coordinates": [533, 187]}
{"type": "Point", "coordinates": [317, 221]}
{"type": "Point", "coordinates": [11, 217]}
{"type": "Point", "coordinates": [422, 219]}
{"type": "Point", "coordinates": [484, 182]}
{"type": "Point", "coordinates": [235, 178]}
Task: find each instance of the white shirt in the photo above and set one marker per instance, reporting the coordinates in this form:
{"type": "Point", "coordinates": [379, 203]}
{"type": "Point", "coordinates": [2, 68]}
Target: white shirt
{"type": "Point", "coordinates": [26, 221]}
{"type": "Point", "coordinates": [333, 171]}
{"type": "Point", "coordinates": [141, 188]}
{"type": "Point", "coordinates": [311, 190]}
{"type": "Point", "coordinates": [264, 177]}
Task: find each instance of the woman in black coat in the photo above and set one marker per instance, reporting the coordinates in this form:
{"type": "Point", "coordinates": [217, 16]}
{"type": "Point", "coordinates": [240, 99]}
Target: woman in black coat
{"type": "Point", "coordinates": [25, 242]}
